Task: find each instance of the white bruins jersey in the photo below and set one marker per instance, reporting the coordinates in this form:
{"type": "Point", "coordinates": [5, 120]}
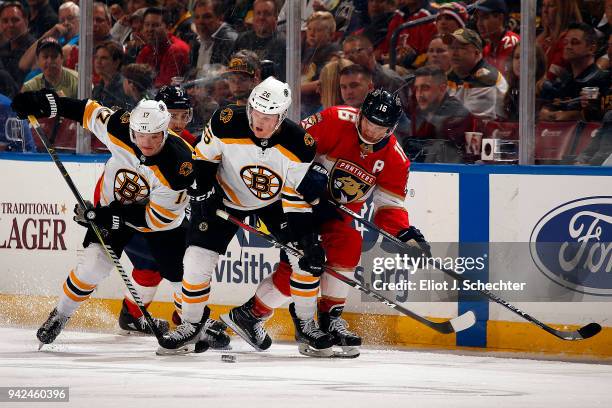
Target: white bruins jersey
{"type": "Point", "coordinates": [252, 172]}
{"type": "Point", "coordinates": [159, 182]}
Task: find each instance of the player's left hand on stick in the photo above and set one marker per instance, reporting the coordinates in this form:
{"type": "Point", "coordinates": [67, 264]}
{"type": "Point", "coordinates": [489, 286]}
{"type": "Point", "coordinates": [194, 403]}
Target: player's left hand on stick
{"type": "Point", "coordinates": [313, 260]}
{"type": "Point", "coordinates": [107, 218]}
{"type": "Point", "coordinates": [41, 104]}
{"type": "Point", "coordinates": [79, 213]}
{"type": "Point", "coordinates": [412, 234]}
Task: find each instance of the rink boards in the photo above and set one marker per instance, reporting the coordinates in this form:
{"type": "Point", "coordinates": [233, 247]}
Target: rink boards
{"type": "Point", "coordinates": [449, 203]}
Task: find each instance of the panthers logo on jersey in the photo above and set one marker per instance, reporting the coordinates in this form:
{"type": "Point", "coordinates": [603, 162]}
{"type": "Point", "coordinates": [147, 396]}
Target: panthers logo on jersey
{"type": "Point", "coordinates": [348, 182]}
{"type": "Point", "coordinates": [130, 187]}
{"type": "Point", "coordinates": [261, 181]}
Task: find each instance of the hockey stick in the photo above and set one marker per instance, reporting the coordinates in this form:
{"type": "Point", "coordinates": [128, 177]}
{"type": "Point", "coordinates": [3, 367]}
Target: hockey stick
{"type": "Point", "coordinates": [449, 326]}
{"type": "Point", "coordinates": [584, 332]}
{"type": "Point", "coordinates": [107, 248]}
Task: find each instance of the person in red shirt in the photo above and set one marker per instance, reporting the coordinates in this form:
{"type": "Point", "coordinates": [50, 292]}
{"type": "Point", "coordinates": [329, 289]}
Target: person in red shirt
{"type": "Point", "coordinates": [167, 54]}
{"type": "Point", "coordinates": [500, 42]}
{"type": "Point", "coordinates": [358, 149]}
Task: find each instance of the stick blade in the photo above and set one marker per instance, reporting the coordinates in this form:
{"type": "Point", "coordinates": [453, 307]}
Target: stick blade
{"type": "Point", "coordinates": [464, 321]}
{"type": "Point", "coordinates": [589, 330]}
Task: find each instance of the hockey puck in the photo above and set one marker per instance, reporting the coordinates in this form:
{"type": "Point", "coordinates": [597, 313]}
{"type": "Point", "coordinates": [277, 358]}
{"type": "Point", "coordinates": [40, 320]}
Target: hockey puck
{"type": "Point", "coordinates": [228, 358]}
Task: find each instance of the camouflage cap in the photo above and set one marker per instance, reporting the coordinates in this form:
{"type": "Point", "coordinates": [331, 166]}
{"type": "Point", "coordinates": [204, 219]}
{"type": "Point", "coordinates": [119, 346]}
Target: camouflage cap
{"type": "Point", "coordinates": [464, 36]}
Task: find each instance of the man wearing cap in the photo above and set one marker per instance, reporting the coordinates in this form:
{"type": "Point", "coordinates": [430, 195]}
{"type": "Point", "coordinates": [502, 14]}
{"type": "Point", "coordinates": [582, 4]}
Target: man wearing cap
{"type": "Point", "coordinates": [472, 80]}
{"type": "Point", "coordinates": [54, 75]}
{"type": "Point", "coordinates": [491, 16]}
{"type": "Point", "coordinates": [243, 74]}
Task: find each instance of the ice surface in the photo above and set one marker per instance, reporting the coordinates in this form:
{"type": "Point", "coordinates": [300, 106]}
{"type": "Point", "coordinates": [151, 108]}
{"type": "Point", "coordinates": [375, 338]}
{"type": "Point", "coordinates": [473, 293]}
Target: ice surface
{"type": "Point", "coordinates": [106, 369]}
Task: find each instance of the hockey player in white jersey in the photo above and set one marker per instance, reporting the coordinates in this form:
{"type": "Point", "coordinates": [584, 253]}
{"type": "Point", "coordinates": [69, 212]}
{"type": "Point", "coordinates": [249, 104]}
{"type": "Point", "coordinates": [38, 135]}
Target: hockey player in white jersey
{"type": "Point", "coordinates": [250, 161]}
{"type": "Point", "coordinates": [143, 190]}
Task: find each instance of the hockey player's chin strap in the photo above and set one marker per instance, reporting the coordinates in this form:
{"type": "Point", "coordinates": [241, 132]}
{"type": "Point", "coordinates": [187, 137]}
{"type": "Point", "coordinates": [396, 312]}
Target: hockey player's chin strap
{"type": "Point", "coordinates": [369, 147]}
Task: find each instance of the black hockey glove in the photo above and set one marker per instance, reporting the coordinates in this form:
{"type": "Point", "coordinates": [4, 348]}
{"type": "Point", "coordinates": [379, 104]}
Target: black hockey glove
{"type": "Point", "coordinates": [413, 234]}
{"type": "Point", "coordinates": [107, 218]}
{"type": "Point", "coordinates": [314, 183]}
{"type": "Point", "coordinates": [314, 255]}
{"type": "Point", "coordinates": [325, 211]}
{"type": "Point", "coordinates": [41, 104]}
{"type": "Point", "coordinates": [79, 213]}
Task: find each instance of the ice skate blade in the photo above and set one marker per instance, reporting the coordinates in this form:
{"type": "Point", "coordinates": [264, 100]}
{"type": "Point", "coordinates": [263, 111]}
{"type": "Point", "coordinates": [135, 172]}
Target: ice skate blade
{"type": "Point", "coordinates": [186, 349]}
{"type": "Point", "coordinates": [347, 352]}
{"type": "Point", "coordinates": [40, 345]}
{"type": "Point", "coordinates": [133, 333]}
{"type": "Point", "coordinates": [225, 318]}
{"type": "Point", "coordinates": [308, 351]}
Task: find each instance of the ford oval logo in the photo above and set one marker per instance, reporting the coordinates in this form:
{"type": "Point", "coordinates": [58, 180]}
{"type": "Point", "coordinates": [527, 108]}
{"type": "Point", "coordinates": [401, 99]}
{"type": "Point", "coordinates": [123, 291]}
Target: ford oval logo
{"type": "Point", "coordinates": [572, 245]}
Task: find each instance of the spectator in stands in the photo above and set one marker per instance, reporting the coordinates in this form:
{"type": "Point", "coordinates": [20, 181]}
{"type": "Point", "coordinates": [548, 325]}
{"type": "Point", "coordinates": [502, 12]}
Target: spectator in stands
{"type": "Point", "coordinates": [14, 26]}
{"type": "Point", "coordinates": [491, 17]}
{"type": "Point", "coordinates": [556, 18]}
{"type": "Point", "coordinates": [599, 150]}
{"type": "Point", "coordinates": [603, 62]}
{"type": "Point", "coordinates": [438, 53]}
{"type": "Point", "coordinates": [165, 53]}
{"type": "Point", "coordinates": [66, 32]}
{"type": "Point", "coordinates": [108, 58]}
{"type": "Point", "coordinates": [451, 17]}
{"type": "Point", "coordinates": [122, 29]}
{"type": "Point", "coordinates": [319, 50]}
{"type": "Point", "coordinates": [439, 116]}
{"type": "Point", "coordinates": [264, 38]}
{"type": "Point", "coordinates": [380, 13]}
{"type": "Point", "coordinates": [472, 80]}
{"type": "Point", "coordinates": [330, 83]}
{"type": "Point", "coordinates": [137, 83]}
{"type": "Point", "coordinates": [412, 41]}
{"type": "Point", "coordinates": [215, 37]}
{"type": "Point", "coordinates": [359, 49]}
{"type": "Point", "coordinates": [511, 100]}
{"type": "Point", "coordinates": [42, 17]}
{"type": "Point", "coordinates": [179, 20]}
{"type": "Point", "coordinates": [355, 83]}
{"type": "Point", "coordinates": [242, 74]}
{"type": "Point", "coordinates": [579, 52]}
{"type": "Point", "coordinates": [605, 30]}
{"type": "Point", "coordinates": [54, 75]}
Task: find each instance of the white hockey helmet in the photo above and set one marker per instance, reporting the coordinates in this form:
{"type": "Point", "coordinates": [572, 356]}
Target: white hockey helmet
{"type": "Point", "coordinates": [272, 97]}
{"type": "Point", "coordinates": [149, 116]}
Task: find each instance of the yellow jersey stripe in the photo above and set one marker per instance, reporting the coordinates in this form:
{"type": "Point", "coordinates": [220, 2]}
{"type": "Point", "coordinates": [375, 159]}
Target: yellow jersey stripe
{"type": "Point", "coordinates": [160, 176]}
{"type": "Point", "coordinates": [154, 220]}
{"type": "Point", "coordinates": [229, 192]}
{"type": "Point", "coordinates": [287, 154]}
{"type": "Point", "coordinates": [163, 211]}
{"type": "Point", "coordinates": [119, 143]}
{"type": "Point", "coordinates": [237, 141]}
{"type": "Point", "coordinates": [89, 108]}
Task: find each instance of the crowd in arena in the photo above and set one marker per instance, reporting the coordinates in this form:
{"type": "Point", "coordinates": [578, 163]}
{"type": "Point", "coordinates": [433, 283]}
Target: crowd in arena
{"type": "Point", "coordinates": [456, 68]}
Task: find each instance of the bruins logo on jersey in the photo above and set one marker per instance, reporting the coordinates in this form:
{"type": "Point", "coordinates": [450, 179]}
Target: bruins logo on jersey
{"type": "Point", "coordinates": [261, 181]}
{"type": "Point", "coordinates": [125, 118]}
{"type": "Point", "coordinates": [186, 169]}
{"type": "Point", "coordinates": [348, 182]}
{"type": "Point", "coordinates": [130, 187]}
{"type": "Point", "coordinates": [226, 115]}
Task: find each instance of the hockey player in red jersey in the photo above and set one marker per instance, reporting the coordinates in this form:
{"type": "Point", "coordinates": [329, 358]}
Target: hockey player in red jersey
{"type": "Point", "coordinates": [146, 274]}
{"type": "Point", "coordinates": [363, 159]}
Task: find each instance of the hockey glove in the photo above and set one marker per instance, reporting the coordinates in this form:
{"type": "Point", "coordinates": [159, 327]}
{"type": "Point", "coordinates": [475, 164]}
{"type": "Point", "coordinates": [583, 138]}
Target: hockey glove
{"type": "Point", "coordinates": [79, 213]}
{"type": "Point", "coordinates": [107, 218]}
{"type": "Point", "coordinates": [314, 183]}
{"type": "Point", "coordinates": [412, 234]}
{"type": "Point", "coordinates": [313, 260]}
{"type": "Point", "coordinates": [41, 104]}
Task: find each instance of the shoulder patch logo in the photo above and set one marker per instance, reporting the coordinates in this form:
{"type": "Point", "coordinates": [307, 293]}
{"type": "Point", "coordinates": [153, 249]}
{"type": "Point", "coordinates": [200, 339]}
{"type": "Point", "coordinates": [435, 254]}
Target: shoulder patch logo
{"type": "Point", "coordinates": [186, 169]}
{"type": "Point", "coordinates": [125, 118]}
{"type": "Point", "coordinates": [482, 72]}
{"type": "Point", "coordinates": [226, 115]}
{"type": "Point", "coordinates": [308, 139]}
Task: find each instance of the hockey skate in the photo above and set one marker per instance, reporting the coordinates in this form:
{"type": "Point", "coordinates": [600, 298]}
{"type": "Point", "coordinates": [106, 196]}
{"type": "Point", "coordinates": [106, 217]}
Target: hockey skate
{"type": "Point", "coordinates": [312, 341]}
{"type": "Point", "coordinates": [213, 333]}
{"type": "Point", "coordinates": [50, 329]}
{"type": "Point", "coordinates": [138, 325]}
{"type": "Point", "coordinates": [241, 320]}
{"type": "Point", "coordinates": [185, 338]}
{"type": "Point", "coordinates": [333, 324]}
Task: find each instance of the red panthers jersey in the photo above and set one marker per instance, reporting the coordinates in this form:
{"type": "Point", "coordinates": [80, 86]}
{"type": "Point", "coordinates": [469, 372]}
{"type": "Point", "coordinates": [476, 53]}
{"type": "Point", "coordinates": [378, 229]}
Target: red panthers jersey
{"type": "Point", "coordinates": [500, 55]}
{"type": "Point", "coordinates": [356, 173]}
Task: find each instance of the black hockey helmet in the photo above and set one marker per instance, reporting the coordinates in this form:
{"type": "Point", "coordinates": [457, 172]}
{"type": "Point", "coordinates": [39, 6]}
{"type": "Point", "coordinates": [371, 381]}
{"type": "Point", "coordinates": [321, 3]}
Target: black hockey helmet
{"type": "Point", "coordinates": [174, 97]}
{"type": "Point", "coordinates": [382, 108]}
